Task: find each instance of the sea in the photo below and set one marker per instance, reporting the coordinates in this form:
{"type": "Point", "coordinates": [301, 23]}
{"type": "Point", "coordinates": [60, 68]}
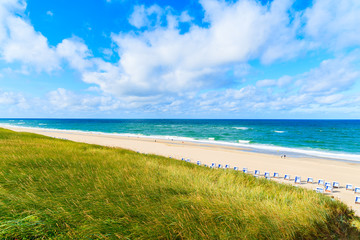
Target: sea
{"type": "Point", "coordinates": [331, 139]}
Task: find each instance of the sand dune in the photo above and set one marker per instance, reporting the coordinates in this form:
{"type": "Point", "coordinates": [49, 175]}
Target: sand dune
{"type": "Point", "coordinates": [329, 170]}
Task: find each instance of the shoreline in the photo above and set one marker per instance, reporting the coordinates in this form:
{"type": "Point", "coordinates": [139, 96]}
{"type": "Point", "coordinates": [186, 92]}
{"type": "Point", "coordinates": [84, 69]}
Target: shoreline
{"type": "Point", "coordinates": [318, 168]}
{"type": "Point", "coordinates": [242, 144]}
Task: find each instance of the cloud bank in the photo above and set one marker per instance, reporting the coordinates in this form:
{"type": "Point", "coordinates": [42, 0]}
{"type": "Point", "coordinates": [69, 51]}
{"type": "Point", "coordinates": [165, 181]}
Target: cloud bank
{"type": "Point", "coordinates": [164, 68]}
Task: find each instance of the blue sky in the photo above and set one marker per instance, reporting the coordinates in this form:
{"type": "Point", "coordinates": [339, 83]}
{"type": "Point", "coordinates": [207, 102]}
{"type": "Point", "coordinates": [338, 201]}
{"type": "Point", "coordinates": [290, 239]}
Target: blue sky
{"type": "Point", "coordinates": [180, 59]}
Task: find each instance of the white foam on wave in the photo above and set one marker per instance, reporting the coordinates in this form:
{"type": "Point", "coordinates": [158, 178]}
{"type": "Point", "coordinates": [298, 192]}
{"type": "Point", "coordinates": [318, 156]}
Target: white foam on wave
{"type": "Point", "coordinates": [243, 141]}
{"type": "Point", "coordinates": [241, 128]}
{"type": "Point", "coordinates": [279, 131]}
{"type": "Point", "coordinates": [42, 124]}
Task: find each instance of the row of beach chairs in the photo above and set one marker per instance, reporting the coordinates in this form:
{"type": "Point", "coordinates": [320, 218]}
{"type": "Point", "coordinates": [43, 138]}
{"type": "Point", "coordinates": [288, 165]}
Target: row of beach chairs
{"type": "Point", "coordinates": [323, 186]}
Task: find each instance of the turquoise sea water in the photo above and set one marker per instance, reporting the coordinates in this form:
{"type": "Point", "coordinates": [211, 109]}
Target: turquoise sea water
{"type": "Point", "coordinates": [337, 139]}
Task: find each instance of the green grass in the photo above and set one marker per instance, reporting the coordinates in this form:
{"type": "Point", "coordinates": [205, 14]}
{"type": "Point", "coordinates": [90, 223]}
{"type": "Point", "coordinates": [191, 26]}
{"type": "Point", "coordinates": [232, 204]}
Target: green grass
{"type": "Point", "coordinates": [57, 189]}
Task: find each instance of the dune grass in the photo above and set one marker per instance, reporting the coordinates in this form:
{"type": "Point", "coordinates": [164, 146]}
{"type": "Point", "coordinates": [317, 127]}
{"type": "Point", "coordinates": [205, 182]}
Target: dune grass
{"type": "Point", "coordinates": [58, 189]}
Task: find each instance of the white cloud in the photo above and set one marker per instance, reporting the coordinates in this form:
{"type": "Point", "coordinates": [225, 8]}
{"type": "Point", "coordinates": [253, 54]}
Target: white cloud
{"type": "Point", "coordinates": [50, 13]}
{"type": "Point", "coordinates": [19, 42]}
{"type": "Point", "coordinates": [333, 23]}
{"type": "Point", "coordinates": [145, 17]}
{"type": "Point", "coordinates": [13, 99]}
{"type": "Point", "coordinates": [75, 52]}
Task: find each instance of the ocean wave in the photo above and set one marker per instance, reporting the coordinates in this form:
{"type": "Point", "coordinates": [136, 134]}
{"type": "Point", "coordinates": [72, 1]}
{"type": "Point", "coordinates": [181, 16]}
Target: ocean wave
{"type": "Point", "coordinates": [241, 128]}
{"type": "Point", "coordinates": [42, 124]}
{"type": "Point", "coordinates": [243, 141]}
{"type": "Point", "coordinates": [279, 131]}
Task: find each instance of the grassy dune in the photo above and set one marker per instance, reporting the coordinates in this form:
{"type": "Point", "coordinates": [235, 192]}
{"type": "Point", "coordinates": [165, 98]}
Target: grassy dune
{"type": "Point", "coordinates": [57, 189]}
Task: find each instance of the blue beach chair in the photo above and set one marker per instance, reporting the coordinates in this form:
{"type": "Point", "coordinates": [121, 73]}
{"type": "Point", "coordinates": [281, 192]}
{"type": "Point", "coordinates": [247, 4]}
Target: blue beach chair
{"type": "Point", "coordinates": [357, 200]}
{"type": "Point", "coordinates": [245, 170]}
{"type": "Point", "coordinates": [227, 166]}
{"type": "Point", "coordinates": [297, 180]}
{"type": "Point", "coordinates": [198, 163]}
{"type": "Point", "coordinates": [236, 168]}
{"type": "Point", "coordinates": [336, 185]}
{"type": "Point", "coordinates": [357, 190]}
{"type": "Point", "coordinates": [349, 187]}
{"type": "Point", "coordinates": [287, 177]}
{"type": "Point", "coordinates": [327, 184]}
{"type": "Point", "coordinates": [219, 166]}
{"type": "Point", "coordinates": [267, 175]}
{"type": "Point", "coordinates": [257, 172]}
{"type": "Point", "coordinates": [310, 180]}
{"type": "Point", "coordinates": [328, 189]}
{"type": "Point", "coordinates": [321, 182]}
{"type": "Point", "coordinates": [319, 190]}
{"type": "Point", "coordinates": [276, 175]}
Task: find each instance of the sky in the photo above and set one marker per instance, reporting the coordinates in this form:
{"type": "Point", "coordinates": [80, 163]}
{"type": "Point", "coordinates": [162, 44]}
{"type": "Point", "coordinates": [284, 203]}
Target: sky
{"type": "Point", "coordinates": [246, 59]}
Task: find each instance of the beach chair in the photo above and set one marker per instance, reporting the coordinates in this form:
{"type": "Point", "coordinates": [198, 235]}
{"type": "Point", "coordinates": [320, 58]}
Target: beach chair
{"type": "Point", "coordinates": [310, 180]}
{"type": "Point", "coordinates": [349, 187]}
{"type": "Point", "coordinates": [213, 165]}
{"type": "Point", "coordinates": [198, 163]}
{"type": "Point", "coordinates": [357, 190]}
{"type": "Point", "coordinates": [328, 189]}
{"type": "Point", "coordinates": [297, 180]}
{"type": "Point", "coordinates": [257, 172]}
{"type": "Point", "coordinates": [319, 190]}
{"type": "Point", "coordinates": [227, 166]}
{"type": "Point", "coordinates": [327, 184]}
{"type": "Point", "coordinates": [320, 182]}
{"type": "Point", "coordinates": [357, 200]}
{"type": "Point", "coordinates": [245, 170]}
{"type": "Point", "coordinates": [336, 185]}
{"type": "Point", "coordinates": [276, 175]}
{"type": "Point", "coordinates": [188, 160]}
{"type": "Point", "coordinates": [205, 165]}
{"type": "Point", "coordinates": [236, 168]}
{"type": "Point", "coordinates": [219, 166]}
{"type": "Point", "coordinates": [182, 159]}
{"type": "Point", "coordinates": [287, 177]}
{"type": "Point", "coordinates": [267, 175]}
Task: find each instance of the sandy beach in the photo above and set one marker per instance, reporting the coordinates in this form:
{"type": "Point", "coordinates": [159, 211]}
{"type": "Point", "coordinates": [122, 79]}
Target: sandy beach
{"type": "Point", "coordinates": [328, 170]}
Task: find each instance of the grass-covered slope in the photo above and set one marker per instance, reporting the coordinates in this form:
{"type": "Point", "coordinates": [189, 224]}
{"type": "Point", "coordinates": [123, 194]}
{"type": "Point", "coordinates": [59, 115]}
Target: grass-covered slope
{"type": "Point", "coordinates": [51, 188]}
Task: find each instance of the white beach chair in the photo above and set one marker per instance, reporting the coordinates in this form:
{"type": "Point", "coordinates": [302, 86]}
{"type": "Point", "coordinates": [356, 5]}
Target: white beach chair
{"type": "Point", "coordinates": [245, 170]}
{"type": "Point", "coordinates": [328, 189]}
{"type": "Point", "coordinates": [267, 175]}
{"type": "Point", "coordinates": [227, 166]}
{"type": "Point", "coordinates": [321, 182]}
{"type": "Point", "coordinates": [357, 190]}
{"type": "Point", "coordinates": [327, 184]}
{"type": "Point", "coordinates": [357, 200]}
{"type": "Point", "coordinates": [297, 180]}
{"type": "Point", "coordinates": [219, 166]}
{"type": "Point", "coordinates": [276, 175]}
{"type": "Point", "coordinates": [310, 180]}
{"type": "Point", "coordinates": [257, 172]}
{"type": "Point", "coordinates": [319, 190]}
{"type": "Point", "coordinates": [236, 168]}
{"type": "Point", "coordinates": [213, 165]}
{"type": "Point", "coordinates": [336, 185]}
{"type": "Point", "coordinates": [349, 187]}
{"type": "Point", "coordinates": [287, 177]}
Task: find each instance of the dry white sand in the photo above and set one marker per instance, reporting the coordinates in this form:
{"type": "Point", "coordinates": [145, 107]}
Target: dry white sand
{"type": "Point", "coordinates": [329, 170]}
